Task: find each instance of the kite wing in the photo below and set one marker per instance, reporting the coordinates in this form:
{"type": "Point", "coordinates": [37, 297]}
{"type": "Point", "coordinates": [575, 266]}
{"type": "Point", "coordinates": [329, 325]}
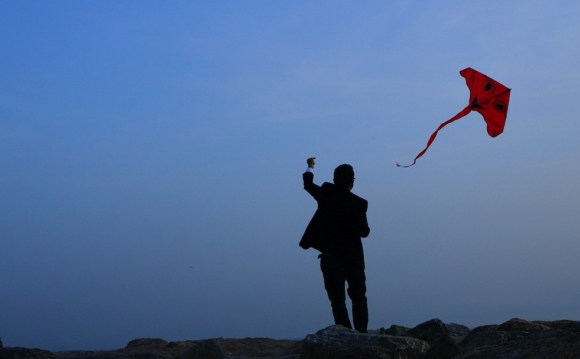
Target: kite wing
{"type": "Point", "coordinates": [486, 96]}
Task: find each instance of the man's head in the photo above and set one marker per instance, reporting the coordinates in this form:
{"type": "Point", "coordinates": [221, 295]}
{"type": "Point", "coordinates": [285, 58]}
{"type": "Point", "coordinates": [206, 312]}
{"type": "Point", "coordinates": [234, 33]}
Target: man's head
{"type": "Point", "coordinates": [344, 176]}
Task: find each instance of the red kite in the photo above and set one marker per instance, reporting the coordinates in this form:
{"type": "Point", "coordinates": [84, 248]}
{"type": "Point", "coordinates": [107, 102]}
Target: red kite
{"type": "Point", "coordinates": [486, 96]}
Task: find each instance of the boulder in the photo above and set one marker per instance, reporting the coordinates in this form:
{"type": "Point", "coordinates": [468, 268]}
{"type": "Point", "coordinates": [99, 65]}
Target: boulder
{"type": "Point", "coordinates": [338, 342]}
{"type": "Point", "coordinates": [444, 347]}
{"type": "Point", "coordinates": [395, 330]}
{"type": "Point", "coordinates": [555, 323]}
{"type": "Point", "coordinates": [145, 348]}
{"type": "Point", "coordinates": [513, 330]}
{"type": "Point", "coordinates": [433, 331]}
{"type": "Point", "coordinates": [562, 342]}
{"type": "Point", "coordinates": [146, 342]}
{"type": "Point", "coordinates": [244, 348]}
{"type": "Point", "coordinates": [520, 325]}
{"type": "Point", "coordinates": [488, 335]}
{"type": "Point", "coordinates": [457, 331]}
{"type": "Point", "coordinates": [429, 331]}
{"type": "Point", "coordinates": [25, 353]}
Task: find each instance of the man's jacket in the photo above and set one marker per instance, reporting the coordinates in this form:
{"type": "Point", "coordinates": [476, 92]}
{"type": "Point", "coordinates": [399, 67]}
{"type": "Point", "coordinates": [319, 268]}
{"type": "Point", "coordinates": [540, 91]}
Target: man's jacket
{"type": "Point", "coordinates": [339, 222]}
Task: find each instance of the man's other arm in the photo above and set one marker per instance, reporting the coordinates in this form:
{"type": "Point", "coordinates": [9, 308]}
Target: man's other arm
{"type": "Point", "coordinates": [362, 223]}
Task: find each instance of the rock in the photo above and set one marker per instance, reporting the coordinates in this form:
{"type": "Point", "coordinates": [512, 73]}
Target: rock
{"type": "Point", "coordinates": [520, 325]}
{"type": "Point", "coordinates": [395, 330]}
{"type": "Point", "coordinates": [513, 330]}
{"type": "Point", "coordinates": [136, 349]}
{"type": "Point", "coordinates": [485, 327]}
{"type": "Point", "coordinates": [555, 323]}
{"type": "Point", "coordinates": [207, 349]}
{"type": "Point", "coordinates": [429, 331]}
{"type": "Point", "coordinates": [457, 331]}
{"type": "Point", "coordinates": [338, 342]}
{"type": "Point", "coordinates": [488, 335]}
{"type": "Point", "coordinates": [181, 345]}
{"type": "Point", "coordinates": [445, 347]}
{"type": "Point", "coordinates": [562, 342]}
{"type": "Point", "coordinates": [516, 338]}
{"type": "Point", "coordinates": [244, 348]}
{"type": "Point", "coordinates": [25, 353]}
{"type": "Point", "coordinates": [146, 342]}
{"type": "Point", "coordinates": [433, 331]}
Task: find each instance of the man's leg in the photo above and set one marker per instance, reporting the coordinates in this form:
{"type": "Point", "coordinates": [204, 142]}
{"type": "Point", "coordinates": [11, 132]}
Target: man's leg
{"type": "Point", "coordinates": [357, 289]}
{"type": "Point", "coordinates": [334, 279]}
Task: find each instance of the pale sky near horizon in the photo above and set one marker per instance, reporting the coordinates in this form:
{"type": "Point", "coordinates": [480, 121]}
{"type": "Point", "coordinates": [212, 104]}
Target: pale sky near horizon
{"type": "Point", "coordinates": [151, 157]}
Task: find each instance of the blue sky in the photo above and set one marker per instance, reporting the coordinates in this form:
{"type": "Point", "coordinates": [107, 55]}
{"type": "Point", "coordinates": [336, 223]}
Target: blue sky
{"type": "Point", "coordinates": [151, 158]}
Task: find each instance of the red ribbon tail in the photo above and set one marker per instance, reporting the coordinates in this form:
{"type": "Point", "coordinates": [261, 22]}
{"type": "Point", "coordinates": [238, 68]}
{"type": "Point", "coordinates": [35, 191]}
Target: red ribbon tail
{"type": "Point", "coordinates": [462, 113]}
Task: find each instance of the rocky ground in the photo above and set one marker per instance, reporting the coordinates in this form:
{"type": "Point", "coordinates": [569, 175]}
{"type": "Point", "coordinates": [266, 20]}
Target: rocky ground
{"type": "Point", "coordinates": [433, 339]}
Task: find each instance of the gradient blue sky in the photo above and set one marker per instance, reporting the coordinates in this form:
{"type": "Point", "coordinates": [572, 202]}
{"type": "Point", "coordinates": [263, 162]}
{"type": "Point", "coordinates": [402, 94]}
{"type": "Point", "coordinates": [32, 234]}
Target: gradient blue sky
{"type": "Point", "coordinates": [151, 157]}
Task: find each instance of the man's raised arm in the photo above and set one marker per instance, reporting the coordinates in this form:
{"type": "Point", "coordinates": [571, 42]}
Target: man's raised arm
{"type": "Point", "coordinates": [308, 178]}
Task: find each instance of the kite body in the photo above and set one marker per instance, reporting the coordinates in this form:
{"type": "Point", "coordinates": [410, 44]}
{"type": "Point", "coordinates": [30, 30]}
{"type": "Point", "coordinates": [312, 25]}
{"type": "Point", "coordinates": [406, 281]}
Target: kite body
{"type": "Point", "coordinates": [486, 96]}
{"type": "Point", "coordinates": [489, 98]}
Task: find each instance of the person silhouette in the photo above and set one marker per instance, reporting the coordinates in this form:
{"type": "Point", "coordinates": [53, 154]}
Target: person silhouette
{"type": "Point", "coordinates": [335, 230]}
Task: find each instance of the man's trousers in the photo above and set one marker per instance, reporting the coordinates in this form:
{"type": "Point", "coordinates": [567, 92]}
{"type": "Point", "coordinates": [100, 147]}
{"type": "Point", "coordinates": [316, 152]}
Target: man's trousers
{"type": "Point", "coordinates": [336, 272]}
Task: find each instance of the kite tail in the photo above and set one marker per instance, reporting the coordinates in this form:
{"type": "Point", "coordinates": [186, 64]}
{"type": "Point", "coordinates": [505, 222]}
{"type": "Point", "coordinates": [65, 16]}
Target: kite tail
{"type": "Point", "coordinates": [462, 113]}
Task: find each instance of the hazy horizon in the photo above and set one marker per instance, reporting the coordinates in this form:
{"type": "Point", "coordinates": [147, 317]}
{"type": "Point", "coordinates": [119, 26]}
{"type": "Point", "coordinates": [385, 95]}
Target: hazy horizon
{"type": "Point", "coordinates": [151, 158]}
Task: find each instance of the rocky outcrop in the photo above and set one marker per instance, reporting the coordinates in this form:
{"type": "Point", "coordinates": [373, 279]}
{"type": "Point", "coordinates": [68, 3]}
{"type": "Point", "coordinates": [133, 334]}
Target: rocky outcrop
{"type": "Point", "coordinates": [337, 342]}
{"type": "Point", "coordinates": [516, 338]}
{"type": "Point", "coordinates": [244, 348]}
{"type": "Point", "coordinates": [528, 341]}
{"type": "Point", "coordinates": [429, 331]}
{"type": "Point", "coordinates": [457, 332]}
{"type": "Point", "coordinates": [136, 349]}
{"type": "Point", "coordinates": [514, 330]}
{"type": "Point", "coordinates": [396, 330]}
{"type": "Point", "coordinates": [437, 335]}
{"type": "Point", "coordinates": [520, 325]}
{"type": "Point", "coordinates": [146, 343]}
{"type": "Point", "coordinates": [25, 353]}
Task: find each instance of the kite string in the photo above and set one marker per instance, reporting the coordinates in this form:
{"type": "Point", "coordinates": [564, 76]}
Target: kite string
{"type": "Point", "coordinates": [462, 113]}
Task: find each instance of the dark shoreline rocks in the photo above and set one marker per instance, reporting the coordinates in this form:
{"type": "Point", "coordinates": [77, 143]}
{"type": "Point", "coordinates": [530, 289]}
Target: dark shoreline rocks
{"type": "Point", "coordinates": [518, 338]}
{"type": "Point", "coordinates": [340, 342]}
{"type": "Point", "coordinates": [433, 339]}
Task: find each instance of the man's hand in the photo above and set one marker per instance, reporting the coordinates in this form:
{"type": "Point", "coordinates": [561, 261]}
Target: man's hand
{"type": "Point", "coordinates": [311, 162]}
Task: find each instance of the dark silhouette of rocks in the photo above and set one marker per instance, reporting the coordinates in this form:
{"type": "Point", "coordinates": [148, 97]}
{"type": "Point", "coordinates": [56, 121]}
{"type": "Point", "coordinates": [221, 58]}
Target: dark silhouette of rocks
{"type": "Point", "coordinates": [244, 348]}
{"type": "Point", "coordinates": [135, 349]}
{"type": "Point", "coordinates": [24, 353]}
{"type": "Point", "coordinates": [441, 344]}
{"type": "Point", "coordinates": [433, 339]}
{"type": "Point", "coordinates": [457, 332]}
{"type": "Point", "coordinates": [520, 325]}
{"type": "Point", "coordinates": [394, 329]}
{"type": "Point", "coordinates": [147, 342]}
{"type": "Point", "coordinates": [429, 331]}
{"type": "Point", "coordinates": [444, 347]}
{"type": "Point", "coordinates": [339, 342]}
{"type": "Point", "coordinates": [518, 338]}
